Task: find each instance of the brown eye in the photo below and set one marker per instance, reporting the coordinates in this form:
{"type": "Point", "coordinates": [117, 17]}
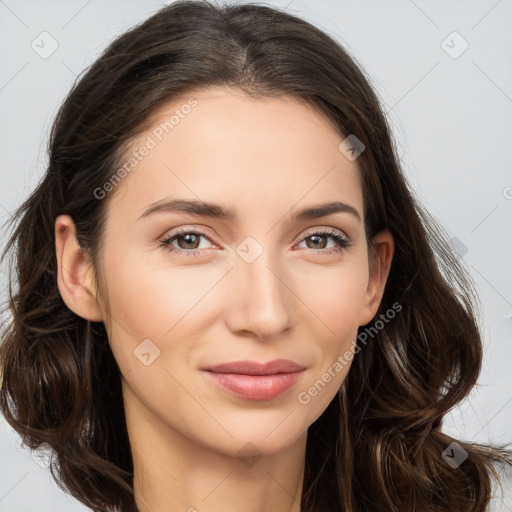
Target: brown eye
{"type": "Point", "coordinates": [318, 240]}
{"type": "Point", "coordinates": [187, 242]}
{"type": "Point", "coordinates": [190, 240]}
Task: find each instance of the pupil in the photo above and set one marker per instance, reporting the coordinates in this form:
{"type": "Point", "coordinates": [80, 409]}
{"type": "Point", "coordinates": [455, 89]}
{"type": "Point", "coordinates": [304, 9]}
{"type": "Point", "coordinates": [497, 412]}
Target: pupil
{"type": "Point", "coordinates": [313, 237]}
{"type": "Point", "coordinates": [187, 239]}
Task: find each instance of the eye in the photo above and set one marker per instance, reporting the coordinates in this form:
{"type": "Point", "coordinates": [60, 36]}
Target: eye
{"type": "Point", "coordinates": [318, 245]}
{"type": "Point", "coordinates": [188, 239]}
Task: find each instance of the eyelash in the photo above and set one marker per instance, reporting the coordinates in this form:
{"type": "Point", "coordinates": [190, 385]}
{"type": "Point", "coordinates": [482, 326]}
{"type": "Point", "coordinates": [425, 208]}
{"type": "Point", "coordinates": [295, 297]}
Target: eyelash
{"type": "Point", "coordinates": [341, 240]}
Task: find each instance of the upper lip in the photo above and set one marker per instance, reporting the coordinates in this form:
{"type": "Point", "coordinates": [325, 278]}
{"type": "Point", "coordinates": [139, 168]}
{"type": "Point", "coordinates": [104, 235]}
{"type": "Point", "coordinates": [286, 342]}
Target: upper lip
{"type": "Point", "coordinates": [255, 368]}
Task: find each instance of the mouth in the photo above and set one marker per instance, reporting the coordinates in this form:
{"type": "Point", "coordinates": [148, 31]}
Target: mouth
{"type": "Point", "coordinates": [251, 380]}
{"type": "Point", "coordinates": [255, 368]}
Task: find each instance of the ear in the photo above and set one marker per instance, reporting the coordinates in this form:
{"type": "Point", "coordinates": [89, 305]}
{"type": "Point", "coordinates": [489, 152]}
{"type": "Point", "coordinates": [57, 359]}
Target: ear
{"type": "Point", "coordinates": [380, 264]}
{"type": "Point", "coordinates": [75, 277]}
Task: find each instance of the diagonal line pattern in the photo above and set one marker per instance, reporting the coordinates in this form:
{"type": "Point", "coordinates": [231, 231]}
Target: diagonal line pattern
{"type": "Point", "coordinates": [424, 13]}
{"type": "Point", "coordinates": [14, 76]}
{"type": "Point", "coordinates": [282, 421]}
{"type": "Point", "coordinates": [13, 13]}
{"type": "Point", "coordinates": [492, 81]}
{"type": "Point", "coordinates": [508, 401]}
{"type": "Point", "coordinates": [5, 209]}
{"type": "Point", "coordinates": [334, 334]}
{"type": "Point", "coordinates": [278, 483]}
{"type": "Point", "coordinates": [415, 85]}
{"type": "Point", "coordinates": [18, 482]}
{"type": "Point", "coordinates": [482, 276]}
{"type": "Point", "coordinates": [68, 68]}
{"type": "Point", "coordinates": [302, 197]}
{"type": "Point", "coordinates": [492, 211]}
{"type": "Point", "coordinates": [76, 14]}
{"type": "Point", "coordinates": [491, 9]}
{"type": "Point", "coordinates": [184, 184]}
{"type": "Point", "coordinates": [199, 300]}
{"type": "Point", "coordinates": [217, 486]}
{"type": "Point", "coordinates": [205, 409]}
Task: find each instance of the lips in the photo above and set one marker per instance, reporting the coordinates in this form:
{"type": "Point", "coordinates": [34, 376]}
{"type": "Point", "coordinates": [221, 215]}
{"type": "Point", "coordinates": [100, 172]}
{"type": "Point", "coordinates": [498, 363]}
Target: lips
{"type": "Point", "coordinates": [255, 368]}
{"type": "Point", "coordinates": [251, 380]}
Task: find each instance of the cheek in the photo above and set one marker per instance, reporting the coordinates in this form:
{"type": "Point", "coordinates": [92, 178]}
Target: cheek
{"type": "Point", "coordinates": [334, 301]}
{"type": "Point", "coordinates": [336, 296]}
{"type": "Point", "coordinates": [150, 299]}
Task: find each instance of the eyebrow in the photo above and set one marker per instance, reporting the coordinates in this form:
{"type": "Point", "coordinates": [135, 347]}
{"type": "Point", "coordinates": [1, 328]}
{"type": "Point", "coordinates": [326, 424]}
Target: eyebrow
{"type": "Point", "coordinates": [216, 211]}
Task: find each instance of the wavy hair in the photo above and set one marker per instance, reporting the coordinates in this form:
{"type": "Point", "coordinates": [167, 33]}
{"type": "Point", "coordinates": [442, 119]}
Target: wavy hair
{"type": "Point", "coordinates": [379, 443]}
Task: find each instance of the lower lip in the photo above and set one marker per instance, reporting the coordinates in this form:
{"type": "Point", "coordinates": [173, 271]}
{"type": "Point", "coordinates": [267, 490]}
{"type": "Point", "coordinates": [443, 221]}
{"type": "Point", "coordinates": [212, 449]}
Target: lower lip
{"type": "Point", "coordinates": [255, 387]}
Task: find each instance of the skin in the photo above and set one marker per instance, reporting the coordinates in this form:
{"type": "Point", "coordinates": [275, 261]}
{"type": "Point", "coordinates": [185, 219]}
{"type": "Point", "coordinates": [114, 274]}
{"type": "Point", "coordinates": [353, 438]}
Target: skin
{"type": "Point", "coordinates": [266, 159]}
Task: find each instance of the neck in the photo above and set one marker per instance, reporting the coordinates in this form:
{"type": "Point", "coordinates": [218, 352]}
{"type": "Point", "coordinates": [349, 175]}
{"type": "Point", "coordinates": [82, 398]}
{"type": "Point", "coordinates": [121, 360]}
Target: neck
{"type": "Point", "coordinates": [172, 473]}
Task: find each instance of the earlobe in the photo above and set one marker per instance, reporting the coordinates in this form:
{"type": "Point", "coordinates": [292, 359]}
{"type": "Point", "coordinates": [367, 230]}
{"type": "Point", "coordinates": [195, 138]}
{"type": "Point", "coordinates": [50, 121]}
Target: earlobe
{"type": "Point", "coordinates": [380, 266]}
{"type": "Point", "coordinates": [75, 276]}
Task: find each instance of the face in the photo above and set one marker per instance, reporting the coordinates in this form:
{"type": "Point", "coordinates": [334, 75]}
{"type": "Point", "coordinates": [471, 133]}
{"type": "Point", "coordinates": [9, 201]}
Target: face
{"type": "Point", "coordinates": [190, 289]}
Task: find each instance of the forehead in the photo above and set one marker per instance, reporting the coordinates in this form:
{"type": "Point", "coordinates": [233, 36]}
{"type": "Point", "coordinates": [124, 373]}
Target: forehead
{"type": "Point", "coordinates": [221, 145]}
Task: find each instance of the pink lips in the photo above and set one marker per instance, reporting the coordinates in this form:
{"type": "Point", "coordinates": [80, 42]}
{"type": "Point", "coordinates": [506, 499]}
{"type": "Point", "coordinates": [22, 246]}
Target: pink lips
{"type": "Point", "coordinates": [256, 381]}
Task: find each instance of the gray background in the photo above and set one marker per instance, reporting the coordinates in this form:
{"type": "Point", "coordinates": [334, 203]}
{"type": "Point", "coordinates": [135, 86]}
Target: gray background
{"type": "Point", "coordinates": [451, 115]}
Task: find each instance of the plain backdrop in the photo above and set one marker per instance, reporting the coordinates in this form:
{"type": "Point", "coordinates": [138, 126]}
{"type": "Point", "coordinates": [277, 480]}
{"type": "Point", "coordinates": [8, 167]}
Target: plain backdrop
{"type": "Point", "coordinates": [443, 70]}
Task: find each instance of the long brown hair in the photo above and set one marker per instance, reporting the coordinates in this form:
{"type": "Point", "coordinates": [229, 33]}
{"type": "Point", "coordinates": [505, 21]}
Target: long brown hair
{"type": "Point", "coordinates": [379, 444]}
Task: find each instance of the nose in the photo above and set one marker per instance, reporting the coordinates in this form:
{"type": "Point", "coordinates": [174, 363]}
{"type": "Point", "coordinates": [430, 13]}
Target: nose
{"type": "Point", "coordinates": [261, 299]}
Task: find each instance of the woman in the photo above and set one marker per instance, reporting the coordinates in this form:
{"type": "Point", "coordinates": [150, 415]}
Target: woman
{"type": "Point", "coordinates": [228, 297]}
